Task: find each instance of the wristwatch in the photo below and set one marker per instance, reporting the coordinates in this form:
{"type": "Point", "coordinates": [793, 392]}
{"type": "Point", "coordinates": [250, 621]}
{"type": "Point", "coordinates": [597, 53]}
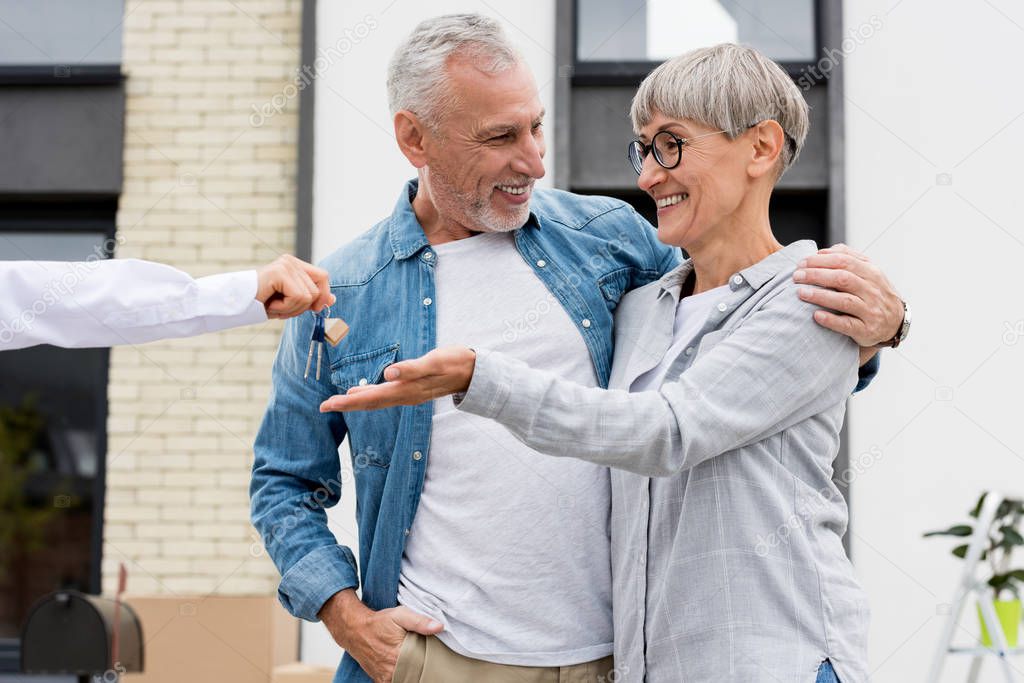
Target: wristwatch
{"type": "Point", "coordinates": [901, 333]}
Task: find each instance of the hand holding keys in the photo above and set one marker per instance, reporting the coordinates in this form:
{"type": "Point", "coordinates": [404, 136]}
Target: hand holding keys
{"type": "Point", "coordinates": [325, 329]}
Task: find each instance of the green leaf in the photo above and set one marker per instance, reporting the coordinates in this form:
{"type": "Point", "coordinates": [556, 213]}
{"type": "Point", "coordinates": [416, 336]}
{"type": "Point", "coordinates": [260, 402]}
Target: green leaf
{"type": "Point", "coordinates": [1007, 582]}
{"type": "Point", "coordinates": [961, 551]}
{"type": "Point", "coordinates": [1006, 508]}
{"type": "Point", "coordinates": [1010, 537]}
{"type": "Point", "coordinates": [956, 530]}
{"type": "Point", "coordinates": [999, 581]}
{"type": "Point", "coordinates": [977, 508]}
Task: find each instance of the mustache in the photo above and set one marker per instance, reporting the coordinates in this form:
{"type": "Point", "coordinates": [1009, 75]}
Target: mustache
{"type": "Point", "coordinates": [518, 182]}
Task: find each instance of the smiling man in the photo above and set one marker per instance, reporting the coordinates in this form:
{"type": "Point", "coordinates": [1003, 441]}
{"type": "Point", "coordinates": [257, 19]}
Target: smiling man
{"type": "Point", "coordinates": [482, 560]}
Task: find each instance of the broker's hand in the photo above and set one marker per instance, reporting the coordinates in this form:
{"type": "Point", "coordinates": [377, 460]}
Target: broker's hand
{"type": "Point", "coordinates": [374, 639]}
{"type": "Point", "coordinates": [864, 304]}
{"type": "Point", "coordinates": [289, 286]}
{"type": "Point", "coordinates": [411, 382]}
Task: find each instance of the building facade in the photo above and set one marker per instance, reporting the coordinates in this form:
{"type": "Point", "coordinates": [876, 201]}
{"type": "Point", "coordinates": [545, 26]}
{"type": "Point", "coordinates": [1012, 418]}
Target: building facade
{"type": "Point", "coordinates": [216, 135]}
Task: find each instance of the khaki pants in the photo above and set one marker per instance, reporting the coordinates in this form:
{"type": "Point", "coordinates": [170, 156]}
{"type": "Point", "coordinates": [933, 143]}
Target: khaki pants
{"type": "Point", "coordinates": [425, 659]}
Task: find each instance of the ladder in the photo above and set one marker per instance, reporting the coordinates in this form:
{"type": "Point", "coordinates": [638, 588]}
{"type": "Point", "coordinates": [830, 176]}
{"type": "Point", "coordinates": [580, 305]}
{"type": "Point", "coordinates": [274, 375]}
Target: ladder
{"type": "Point", "coordinates": [970, 585]}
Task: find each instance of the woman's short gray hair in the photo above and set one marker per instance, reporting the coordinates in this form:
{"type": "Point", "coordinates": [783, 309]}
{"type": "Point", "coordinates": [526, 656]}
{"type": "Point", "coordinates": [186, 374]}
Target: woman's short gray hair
{"type": "Point", "coordinates": [418, 74]}
{"type": "Point", "coordinates": [729, 87]}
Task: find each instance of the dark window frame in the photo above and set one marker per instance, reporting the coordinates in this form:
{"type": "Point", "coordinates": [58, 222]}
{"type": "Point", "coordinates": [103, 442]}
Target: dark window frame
{"type": "Point", "coordinates": [61, 74]}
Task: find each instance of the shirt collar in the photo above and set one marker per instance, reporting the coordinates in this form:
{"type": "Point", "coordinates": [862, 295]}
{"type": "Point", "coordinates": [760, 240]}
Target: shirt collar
{"type": "Point", "coordinates": [407, 236]}
{"type": "Point", "coordinates": [784, 259]}
{"type": "Point", "coordinates": [755, 276]}
{"type": "Point", "coordinates": [671, 283]}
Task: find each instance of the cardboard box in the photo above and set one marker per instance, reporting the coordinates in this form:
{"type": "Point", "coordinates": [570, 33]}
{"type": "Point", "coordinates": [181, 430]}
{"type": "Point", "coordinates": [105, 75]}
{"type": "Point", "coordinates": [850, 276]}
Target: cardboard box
{"type": "Point", "coordinates": [213, 639]}
{"type": "Point", "coordinates": [297, 672]}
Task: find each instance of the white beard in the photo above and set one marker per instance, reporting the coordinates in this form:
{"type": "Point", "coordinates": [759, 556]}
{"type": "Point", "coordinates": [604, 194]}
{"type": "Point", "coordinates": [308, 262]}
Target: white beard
{"type": "Point", "coordinates": [480, 214]}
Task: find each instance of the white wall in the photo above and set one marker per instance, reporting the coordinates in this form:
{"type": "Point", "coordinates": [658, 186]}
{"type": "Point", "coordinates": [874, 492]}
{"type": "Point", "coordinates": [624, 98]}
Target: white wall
{"type": "Point", "coordinates": [936, 90]}
{"type": "Point", "coordinates": [359, 171]}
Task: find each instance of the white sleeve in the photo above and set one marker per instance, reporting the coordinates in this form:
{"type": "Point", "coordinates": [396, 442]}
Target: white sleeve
{"type": "Point", "coordinates": [121, 301]}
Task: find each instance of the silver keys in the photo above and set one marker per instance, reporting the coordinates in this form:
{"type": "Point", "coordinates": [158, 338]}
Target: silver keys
{"type": "Point", "coordinates": [325, 329]}
{"type": "Point", "coordinates": [318, 342]}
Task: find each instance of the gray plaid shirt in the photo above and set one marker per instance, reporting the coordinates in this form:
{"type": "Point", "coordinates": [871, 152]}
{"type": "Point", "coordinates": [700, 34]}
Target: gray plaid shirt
{"type": "Point", "coordinates": [727, 557]}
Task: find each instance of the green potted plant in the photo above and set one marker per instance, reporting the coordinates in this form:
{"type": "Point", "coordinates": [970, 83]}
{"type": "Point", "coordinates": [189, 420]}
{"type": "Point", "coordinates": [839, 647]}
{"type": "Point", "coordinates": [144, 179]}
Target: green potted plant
{"type": "Point", "coordinates": [1006, 583]}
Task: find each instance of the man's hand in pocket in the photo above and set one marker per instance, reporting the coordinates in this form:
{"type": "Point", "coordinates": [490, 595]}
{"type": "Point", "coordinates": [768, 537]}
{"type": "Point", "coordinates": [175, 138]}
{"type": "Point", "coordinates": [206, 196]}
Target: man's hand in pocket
{"type": "Point", "coordinates": [373, 638]}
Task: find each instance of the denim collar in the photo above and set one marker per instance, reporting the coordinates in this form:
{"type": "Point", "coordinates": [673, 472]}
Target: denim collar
{"type": "Point", "coordinates": [407, 237]}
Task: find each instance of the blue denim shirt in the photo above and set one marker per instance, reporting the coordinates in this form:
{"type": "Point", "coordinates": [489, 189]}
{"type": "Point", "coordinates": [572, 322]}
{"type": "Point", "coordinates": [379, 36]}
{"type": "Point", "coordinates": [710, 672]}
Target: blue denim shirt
{"type": "Point", "coordinates": [587, 250]}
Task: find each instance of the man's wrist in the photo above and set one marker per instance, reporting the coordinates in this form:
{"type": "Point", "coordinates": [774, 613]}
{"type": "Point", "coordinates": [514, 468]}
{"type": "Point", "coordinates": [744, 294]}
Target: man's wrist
{"type": "Point", "coordinates": [342, 613]}
{"type": "Point", "coordinates": [901, 332]}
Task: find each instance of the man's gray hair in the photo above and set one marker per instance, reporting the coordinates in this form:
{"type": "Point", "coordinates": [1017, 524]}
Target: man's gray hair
{"type": "Point", "coordinates": [728, 87]}
{"type": "Point", "coordinates": [418, 73]}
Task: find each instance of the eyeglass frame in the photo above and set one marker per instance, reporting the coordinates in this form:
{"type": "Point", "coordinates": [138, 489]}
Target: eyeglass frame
{"type": "Point", "coordinates": [680, 143]}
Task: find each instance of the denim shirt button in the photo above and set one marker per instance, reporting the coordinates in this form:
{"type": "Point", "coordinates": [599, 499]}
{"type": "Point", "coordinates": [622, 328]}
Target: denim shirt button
{"type": "Point", "coordinates": [428, 301]}
{"type": "Point", "coordinates": [586, 322]}
{"type": "Point", "coordinates": [363, 382]}
{"type": "Point", "coordinates": [427, 255]}
{"type": "Point", "coordinates": [406, 532]}
{"type": "Point", "coordinates": [417, 455]}
{"type": "Point", "coordinates": [541, 263]}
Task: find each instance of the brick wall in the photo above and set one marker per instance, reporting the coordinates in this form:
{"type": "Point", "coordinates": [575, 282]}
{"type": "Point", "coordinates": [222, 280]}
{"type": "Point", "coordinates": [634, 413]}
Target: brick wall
{"type": "Point", "coordinates": [209, 186]}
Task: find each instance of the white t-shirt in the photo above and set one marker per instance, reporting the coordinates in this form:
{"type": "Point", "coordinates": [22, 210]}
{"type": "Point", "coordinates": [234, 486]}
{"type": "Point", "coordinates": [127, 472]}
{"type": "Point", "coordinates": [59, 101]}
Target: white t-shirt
{"type": "Point", "coordinates": [691, 314]}
{"type": "Point", "coordinates": [509, 548]}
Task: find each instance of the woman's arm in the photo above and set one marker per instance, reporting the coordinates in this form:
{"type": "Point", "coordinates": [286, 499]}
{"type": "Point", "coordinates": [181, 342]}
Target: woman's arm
{"type": "Point", "coordinates": [775, 370]}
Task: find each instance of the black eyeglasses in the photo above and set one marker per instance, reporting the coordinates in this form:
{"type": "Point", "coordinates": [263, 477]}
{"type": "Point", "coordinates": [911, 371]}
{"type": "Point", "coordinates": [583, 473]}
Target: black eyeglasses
{"type": "Point", "coordinates": [667, 148]}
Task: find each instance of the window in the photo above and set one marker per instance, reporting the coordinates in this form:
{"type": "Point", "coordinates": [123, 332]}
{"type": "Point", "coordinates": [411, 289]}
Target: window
{"type": "Point", "coordinates": [52, 426]}
{"type": "Point", "coordinates": [60, 32]}
{"type": "Point", "coordinates": [60, 70]}
{"type": "Point", "coordinates": [652, 31]}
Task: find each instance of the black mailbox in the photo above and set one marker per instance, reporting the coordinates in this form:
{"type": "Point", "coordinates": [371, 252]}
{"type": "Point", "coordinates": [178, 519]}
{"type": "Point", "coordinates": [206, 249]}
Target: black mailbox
{"type": "Point", "coordinates": [68, 632]}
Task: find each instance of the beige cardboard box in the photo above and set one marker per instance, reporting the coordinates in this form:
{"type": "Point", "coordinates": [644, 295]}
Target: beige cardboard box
{"type": "Point", "coordinates": [297, 672]}
{"type": "Point", "coordinates": [214, 639]}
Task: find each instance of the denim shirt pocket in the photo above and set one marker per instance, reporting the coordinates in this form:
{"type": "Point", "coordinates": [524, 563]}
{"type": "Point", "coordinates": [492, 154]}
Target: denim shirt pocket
{"type": "Point", "coordinates": [613, 285]}
{"type": "Point", "coordinates": [368, 431]}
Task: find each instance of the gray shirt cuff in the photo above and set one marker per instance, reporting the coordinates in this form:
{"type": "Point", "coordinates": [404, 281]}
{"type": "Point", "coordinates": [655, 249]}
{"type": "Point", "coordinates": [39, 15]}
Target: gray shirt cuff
{"type": "Point", "coordinates": [489, 389]}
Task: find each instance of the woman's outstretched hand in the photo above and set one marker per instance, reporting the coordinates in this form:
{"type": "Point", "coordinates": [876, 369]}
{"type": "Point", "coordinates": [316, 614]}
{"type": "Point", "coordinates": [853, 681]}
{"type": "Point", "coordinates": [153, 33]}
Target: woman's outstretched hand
{"type": "Point", "coordinates": [411, 382]}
